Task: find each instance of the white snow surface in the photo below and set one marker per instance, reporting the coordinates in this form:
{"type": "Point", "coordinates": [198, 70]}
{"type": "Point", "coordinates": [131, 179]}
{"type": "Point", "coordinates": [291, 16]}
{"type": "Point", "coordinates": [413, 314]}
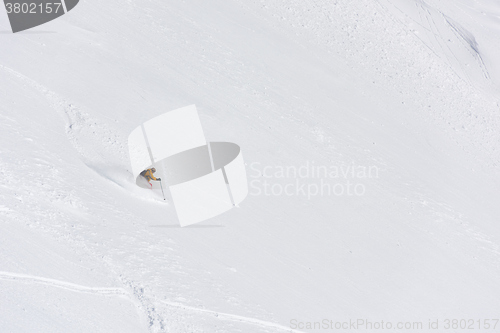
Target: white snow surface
{"type": "Point", "coordinates": [408, 87]}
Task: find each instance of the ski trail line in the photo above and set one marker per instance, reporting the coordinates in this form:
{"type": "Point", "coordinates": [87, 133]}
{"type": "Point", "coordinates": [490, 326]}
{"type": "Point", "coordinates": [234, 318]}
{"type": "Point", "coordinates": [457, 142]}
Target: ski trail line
{"type": "Point", "coordinates": [228, 316]}
{"type": "Point", "coordinates": [61, 284]}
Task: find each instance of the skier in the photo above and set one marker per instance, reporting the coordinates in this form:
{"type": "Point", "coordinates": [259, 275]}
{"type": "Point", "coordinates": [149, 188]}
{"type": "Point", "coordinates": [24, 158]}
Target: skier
{"type": "Point", "coordinates": [148, 174]}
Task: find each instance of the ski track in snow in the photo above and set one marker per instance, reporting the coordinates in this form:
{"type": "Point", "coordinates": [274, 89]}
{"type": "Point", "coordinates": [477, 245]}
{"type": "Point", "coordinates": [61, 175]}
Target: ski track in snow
{"type": "Point", "coordinates": [61, 284]}
{"type": "Point", "coordinates": [81, 128]}
{"type": "Point", "coordinates": [8, 276]}
{"type": "Point", "coordinates": [232, 317]}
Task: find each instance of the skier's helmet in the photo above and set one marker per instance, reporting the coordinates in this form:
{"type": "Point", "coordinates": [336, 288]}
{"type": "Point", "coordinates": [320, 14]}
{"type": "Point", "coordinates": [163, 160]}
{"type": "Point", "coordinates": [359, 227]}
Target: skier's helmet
{"type": "Point", "coordinates": [153, 169]}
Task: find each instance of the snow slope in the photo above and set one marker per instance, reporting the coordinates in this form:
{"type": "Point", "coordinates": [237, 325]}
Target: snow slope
{"type": "Point", "coordinates": [405, 87]}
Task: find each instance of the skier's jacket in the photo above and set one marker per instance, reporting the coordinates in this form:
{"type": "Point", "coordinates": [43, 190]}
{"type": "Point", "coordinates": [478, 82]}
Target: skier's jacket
{"type": "Point", "coordinates": [148, 174]}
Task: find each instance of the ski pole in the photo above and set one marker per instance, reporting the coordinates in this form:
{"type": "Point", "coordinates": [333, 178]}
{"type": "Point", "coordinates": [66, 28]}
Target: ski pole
{"type": "Point", "coordinates": [161, 186]}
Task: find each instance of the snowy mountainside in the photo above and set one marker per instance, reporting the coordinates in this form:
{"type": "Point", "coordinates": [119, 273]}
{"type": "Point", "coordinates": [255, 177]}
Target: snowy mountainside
{"type": "Point", "coordinates": [402, 47]}
{"type": "Point", "coordinates": [343, 85]}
